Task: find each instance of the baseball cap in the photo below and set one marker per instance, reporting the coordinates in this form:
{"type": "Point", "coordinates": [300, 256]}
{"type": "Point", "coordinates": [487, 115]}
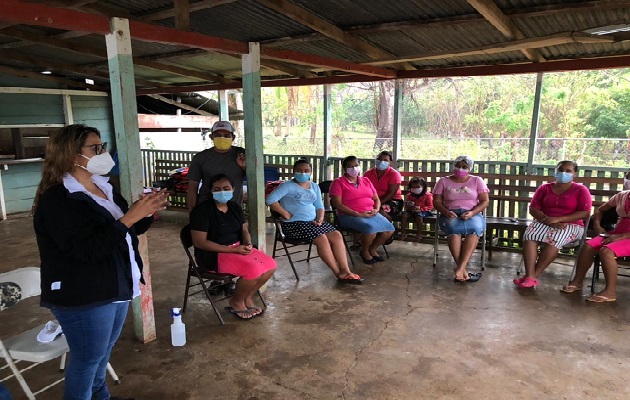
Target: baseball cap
{"type": "Point", "coordinates": [222, 126]}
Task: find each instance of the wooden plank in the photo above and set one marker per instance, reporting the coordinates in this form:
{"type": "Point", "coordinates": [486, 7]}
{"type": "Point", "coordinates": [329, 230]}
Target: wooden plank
{"type": "Point", "coordinates": [18, 145]}
{"type": "Point", "coordinates": [182, 15]}
{"type": "Point", "coordinates": [24, 90]}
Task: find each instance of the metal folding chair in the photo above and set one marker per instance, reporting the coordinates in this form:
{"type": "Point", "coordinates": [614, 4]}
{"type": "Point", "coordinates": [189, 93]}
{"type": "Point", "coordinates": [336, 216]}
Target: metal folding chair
{"type": "Point", "coordinates": [436, 243]}
{"type": "Point", "coordinates": [290, 244]}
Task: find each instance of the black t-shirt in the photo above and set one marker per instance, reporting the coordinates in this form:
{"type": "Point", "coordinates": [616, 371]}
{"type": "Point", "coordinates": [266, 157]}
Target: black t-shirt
{"type": "Point", "coordinates": [222, 228]}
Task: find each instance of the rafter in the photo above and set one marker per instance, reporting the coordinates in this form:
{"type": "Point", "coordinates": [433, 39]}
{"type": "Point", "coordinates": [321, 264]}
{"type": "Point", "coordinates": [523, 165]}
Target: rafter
{"type": "Point", "coordinates": [180, 105]}
{"type": "Point", "coordinates": [514, 45]}
{"type": "Point", "coordinates": [182, 15]}
{"type": "Point", "coordinates": [170, 12]}
{"type": "Point", "coordinates": [499, 20]}
{"type": "Point", "coordinates": [36, 75]}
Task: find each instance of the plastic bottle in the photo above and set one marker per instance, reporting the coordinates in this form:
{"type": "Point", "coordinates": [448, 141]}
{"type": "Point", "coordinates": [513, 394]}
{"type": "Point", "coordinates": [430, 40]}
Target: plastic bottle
{"type": "Point", "coordinates": [178, 328]}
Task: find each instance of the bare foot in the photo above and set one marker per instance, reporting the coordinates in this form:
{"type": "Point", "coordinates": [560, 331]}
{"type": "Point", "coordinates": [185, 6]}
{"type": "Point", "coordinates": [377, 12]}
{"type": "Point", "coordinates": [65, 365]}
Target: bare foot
{"type": "Point", "coordinates": [461, 275]}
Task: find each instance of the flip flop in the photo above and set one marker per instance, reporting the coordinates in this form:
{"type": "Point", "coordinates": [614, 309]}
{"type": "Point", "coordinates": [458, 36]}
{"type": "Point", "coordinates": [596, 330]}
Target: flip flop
{"type": "Point", "coordinates": [517, 281]}
{"type": "Point", "coordinates": [596, 298]}
{"type": "Point", "coordinates": [239, 313]}
{"type": "Point", "coordinates": [260, 311]}
{"type": "Point", "coordinates": [570, 288]}
{"type": "Point", "coordinates": [352, 279]}
{"type": "Point", "coordinates": [527, 283]}
{"type": "Point", "coordinates": [472, 278]}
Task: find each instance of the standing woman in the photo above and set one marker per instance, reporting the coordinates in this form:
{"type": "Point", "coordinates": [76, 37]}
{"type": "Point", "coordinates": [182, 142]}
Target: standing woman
{"type": "Point", "coordinates": [357, 205]}
{"type": "Point", "coordinates": [88, 245]}
{"type": "Point", "coordinates": [460, 199]}
{"type": "Point", "coordinates": [559, 209]}
{"type": "Point", "coordinates": [386, 180]}
{"type": "Point", "coordinates": [299, 203]}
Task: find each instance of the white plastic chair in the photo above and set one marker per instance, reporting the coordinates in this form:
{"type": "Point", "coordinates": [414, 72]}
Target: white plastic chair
{"type": "Point", "coordinates": [25, 346]}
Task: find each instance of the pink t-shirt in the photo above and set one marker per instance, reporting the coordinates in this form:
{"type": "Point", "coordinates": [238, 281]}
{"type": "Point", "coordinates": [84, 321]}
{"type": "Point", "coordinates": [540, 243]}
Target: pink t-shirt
{"type": "Point", "coordinates": [577, 198]}
{"type": "Point", "coordinates": [460, 195]}
{"type": "Point", "coordinates": [358, 198]}
{"type": "Point", "coordinates": [391, 176]}
{"type": "Point", "coordinates": [621, 203]}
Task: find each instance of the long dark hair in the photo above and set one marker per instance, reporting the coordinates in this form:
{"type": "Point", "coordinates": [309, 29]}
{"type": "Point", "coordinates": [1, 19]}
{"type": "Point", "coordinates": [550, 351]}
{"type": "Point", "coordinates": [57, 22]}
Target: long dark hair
{"type": "Point", "coordinates": [302, 160]}
{"type": "Point", "coordinates": [61, 151]}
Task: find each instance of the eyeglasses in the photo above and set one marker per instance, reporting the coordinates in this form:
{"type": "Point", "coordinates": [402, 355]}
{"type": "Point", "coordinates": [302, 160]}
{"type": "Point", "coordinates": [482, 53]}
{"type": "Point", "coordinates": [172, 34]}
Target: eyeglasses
{"type": "Point", "coordinates": [98, 148]}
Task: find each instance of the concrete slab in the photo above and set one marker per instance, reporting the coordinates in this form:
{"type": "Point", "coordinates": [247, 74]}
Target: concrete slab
{"type": "Point", "coordinates": [408, 333]}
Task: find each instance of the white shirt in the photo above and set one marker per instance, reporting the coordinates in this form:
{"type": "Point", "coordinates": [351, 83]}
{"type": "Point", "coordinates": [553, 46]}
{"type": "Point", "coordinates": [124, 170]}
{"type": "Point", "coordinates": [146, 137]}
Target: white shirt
{"type": "Point", "coordinates": [102, 182]}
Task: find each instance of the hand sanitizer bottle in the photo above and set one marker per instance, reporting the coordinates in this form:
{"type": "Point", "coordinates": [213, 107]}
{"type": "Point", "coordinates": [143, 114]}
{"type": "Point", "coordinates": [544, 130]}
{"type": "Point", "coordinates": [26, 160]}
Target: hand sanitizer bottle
{"type": "Point", "coordinates": [178, 328]}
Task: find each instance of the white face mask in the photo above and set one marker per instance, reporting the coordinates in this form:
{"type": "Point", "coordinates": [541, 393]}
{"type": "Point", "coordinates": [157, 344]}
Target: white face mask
{"type": "Point", "coordinates": [99, 164]}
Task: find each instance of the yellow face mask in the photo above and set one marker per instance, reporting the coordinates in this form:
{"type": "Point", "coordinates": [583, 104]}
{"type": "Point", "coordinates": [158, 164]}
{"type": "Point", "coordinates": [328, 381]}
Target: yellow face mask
{"type": "Point", "coordinates": [222, 143]}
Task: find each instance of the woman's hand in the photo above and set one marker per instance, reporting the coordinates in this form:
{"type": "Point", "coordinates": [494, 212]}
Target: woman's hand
{"type": "Point", "coordinates": [243, 249]}
{"type": "Point", "coordinates": [369, 214]}
{"type": "Point", "coordinates": [450, 214]}
{"type": "Point", "coordinates": [146, 205]}
{"type": "Point", "coordinates": [286, 215]}
{"type": "Point", "coordinates": [466, 215]}
{"type": "Point", "coordinates": [318, 222]}
{"type": "Point", "coordinates": [598, 229]}
{"type": "Point", "coordinates": [240, 160]}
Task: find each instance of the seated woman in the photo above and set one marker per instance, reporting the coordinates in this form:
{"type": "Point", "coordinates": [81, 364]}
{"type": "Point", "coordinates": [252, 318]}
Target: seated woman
{"type": "Point", "coordinates": [222, 243]}
{"type": "Point", "coordinates": [299, 203]}
{"type": "Point", "coordinates": [357, 205]}
{"type": "Point", "coordinates": [609, 246]}
{"type": "Point", "coordinates": [460, 199]}
{"type": "Point", "coordinates": [386, 180]}
{"type": "Point", "coordinates": [559, 209]}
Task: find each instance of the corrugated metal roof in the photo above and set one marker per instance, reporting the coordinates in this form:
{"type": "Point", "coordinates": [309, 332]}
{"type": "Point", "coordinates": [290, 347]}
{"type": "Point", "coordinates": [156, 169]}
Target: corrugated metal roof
{"type": "Point", "coordinates": [402, 28]}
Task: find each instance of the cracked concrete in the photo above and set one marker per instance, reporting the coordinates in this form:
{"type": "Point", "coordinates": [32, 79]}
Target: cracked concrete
{"type": "Point", "coordinates": [408, 333]}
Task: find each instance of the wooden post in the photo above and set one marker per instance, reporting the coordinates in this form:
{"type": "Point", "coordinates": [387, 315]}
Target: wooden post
{"type": "Point", "coordinates": [67, 109]}
{"type": "Point", "coordinates": [398, 98]}
{"type": "Point", "coordinates": [18, 145]}
{"type": "Point", "coordinates": [328, 130]}
{"type": "Point", "coordinates": [224, 107]}
{"type": "Point", "coordinates": [254, 145]}
{"type": "Point", "coordinates": [128, 145]}
{"type": "Point", "coordinates": [533, 133]}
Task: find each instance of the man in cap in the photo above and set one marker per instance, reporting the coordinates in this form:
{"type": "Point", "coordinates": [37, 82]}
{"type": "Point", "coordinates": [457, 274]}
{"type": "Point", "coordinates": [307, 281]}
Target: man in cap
{"type": "Point", "coordinates": [223, 158]}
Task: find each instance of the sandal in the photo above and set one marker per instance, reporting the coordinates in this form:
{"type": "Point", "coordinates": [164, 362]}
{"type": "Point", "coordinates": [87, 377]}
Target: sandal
{"type": "Point", "coordinates": [352, 279]}
{"type": "Point", "coordinates": [570, 288]}
{"type": "Point", "coordinates": [527, 283]}
{"type": "Point", "coordinates": [240, 314]}
{"type": "Point", "coordinates": [518, 281]}
{"type": "Point", "coordinates": [256, 311]}
{"type": "Point", "coordinates": [597, 298]}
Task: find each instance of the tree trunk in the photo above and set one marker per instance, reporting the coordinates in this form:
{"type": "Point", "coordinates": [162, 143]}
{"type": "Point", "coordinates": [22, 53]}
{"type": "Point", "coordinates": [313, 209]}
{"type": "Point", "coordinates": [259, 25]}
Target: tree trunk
{"type": "Point", "coordinates": [385, 117]}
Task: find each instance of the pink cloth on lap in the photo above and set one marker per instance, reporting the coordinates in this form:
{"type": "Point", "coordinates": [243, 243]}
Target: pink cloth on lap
{"type": "Point", "coordinates": [250, 266]}
{"type": "Point", "coordinates": [621, 248]}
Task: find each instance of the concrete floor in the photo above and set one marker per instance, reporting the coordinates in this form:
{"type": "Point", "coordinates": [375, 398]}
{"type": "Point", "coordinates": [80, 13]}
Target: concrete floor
{"type": "Point", "coordinates": [408, 333]}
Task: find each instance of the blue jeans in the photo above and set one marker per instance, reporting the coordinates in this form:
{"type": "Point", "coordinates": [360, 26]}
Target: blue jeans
{"type": "Point", "coordinates": [91, 333]}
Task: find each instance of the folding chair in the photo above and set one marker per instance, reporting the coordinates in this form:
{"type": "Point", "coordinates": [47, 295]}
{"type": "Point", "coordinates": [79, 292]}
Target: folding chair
{"type": "Point", "coordinates": [574, 246]}
{"type": "Point", "coordinates": [289, 244]}
{"type": "Point", "coordinates": [19, 285]}
{"type": "Point", "coordinates": [436, 243]}
{"type": "Point", "coordinates": [207, 280]}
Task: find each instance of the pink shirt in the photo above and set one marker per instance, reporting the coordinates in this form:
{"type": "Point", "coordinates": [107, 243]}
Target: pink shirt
{"type": "Point", "coordinates": [358, 198]}
{"type": "Point", "coordinates": [460, 195]}
{"type": "Point", "coordinates": [577, 198]}
{"type": "Point", "coordinates": [391, 176]}
{"type": "Point", "coordinates": [621, 202]}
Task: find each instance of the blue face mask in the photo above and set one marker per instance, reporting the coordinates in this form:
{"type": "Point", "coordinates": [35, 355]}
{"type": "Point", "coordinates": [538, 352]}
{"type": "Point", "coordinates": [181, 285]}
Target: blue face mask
{"type": "Point", "coordinates": [564, 177]}
{"type": "Point", "coordinates": [302, 176]}
{"type": "Point", "coordinates": [382, 165]}
{"type": "Point", "coordinates": [222, 197]}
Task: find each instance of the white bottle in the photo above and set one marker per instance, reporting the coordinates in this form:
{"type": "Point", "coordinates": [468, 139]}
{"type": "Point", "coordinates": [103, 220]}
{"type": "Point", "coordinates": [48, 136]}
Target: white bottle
{"type": "Point", "coordinates": [178, 328]}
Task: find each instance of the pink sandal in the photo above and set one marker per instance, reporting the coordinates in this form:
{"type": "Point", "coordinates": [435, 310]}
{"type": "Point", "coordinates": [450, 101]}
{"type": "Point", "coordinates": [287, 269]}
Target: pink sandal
{"type": "Point", "coordinates": [527, 283]}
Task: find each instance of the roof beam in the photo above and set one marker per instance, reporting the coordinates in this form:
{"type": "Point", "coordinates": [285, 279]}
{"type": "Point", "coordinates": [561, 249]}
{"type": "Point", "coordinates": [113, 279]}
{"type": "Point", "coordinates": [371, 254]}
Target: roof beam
{"type": "Point", "coordinates": [180, 105]}
{"type": "Point", "coordinates": [169, 13]}
{"type": "Point", "coordinates": [47, 63]}
{"type": "Point", "coordinates": [96, 52]}
{"type": "Point", "coordinates": [36, 75]}
{"type": "Point", "coordinates": [502, 22]}
{"type": "Point", "coordinates": [514, 45]}
{"type": "Point", "coordinates": [182, 15]}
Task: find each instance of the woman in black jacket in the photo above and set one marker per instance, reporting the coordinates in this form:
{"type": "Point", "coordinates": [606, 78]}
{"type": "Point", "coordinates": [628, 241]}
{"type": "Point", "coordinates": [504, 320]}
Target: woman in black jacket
{"type": "Point", "coordinates": [88, 245]}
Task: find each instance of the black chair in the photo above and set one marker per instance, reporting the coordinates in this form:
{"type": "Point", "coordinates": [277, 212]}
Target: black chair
{"type": "Point", "coordinates": [208, 280]}
{"type": "Point", "coordinates": [287, 244]}
{"type": "Point", "coordinates": [608, 222]}
{"type": "Point", "coordinates": [345, 232]}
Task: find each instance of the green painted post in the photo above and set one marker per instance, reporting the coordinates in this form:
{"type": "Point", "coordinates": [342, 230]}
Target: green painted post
{"type": "Point", "coordinates": [125, 112]}
{"type": "Point", "coordinates": [398, 98]}
{"type": "Point", "coordinates": [328, 130]}
{"type": "Point", "coordinates": [254, 145]}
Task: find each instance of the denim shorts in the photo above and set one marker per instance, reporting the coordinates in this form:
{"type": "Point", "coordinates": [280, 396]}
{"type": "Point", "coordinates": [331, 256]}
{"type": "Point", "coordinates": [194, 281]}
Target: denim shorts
{"type": "Point", "coordinates": [457, 226]}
